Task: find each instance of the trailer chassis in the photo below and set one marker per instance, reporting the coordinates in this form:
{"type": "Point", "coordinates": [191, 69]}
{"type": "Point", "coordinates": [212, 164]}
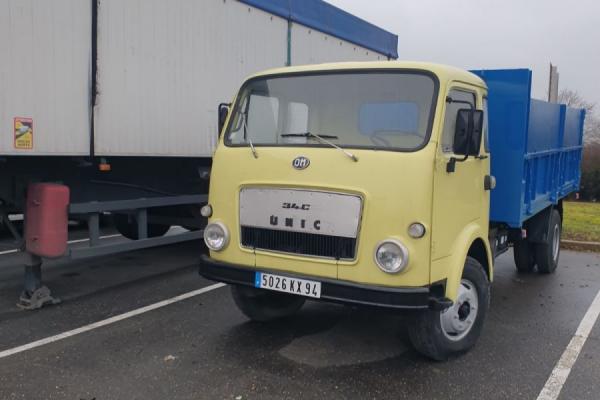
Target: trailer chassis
{"type": "Point", "coordinates": [36, 295]}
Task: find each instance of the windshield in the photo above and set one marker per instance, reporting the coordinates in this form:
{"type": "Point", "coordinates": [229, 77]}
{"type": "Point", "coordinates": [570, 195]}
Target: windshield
{"type": "Point", "coordinates": [383, 110]}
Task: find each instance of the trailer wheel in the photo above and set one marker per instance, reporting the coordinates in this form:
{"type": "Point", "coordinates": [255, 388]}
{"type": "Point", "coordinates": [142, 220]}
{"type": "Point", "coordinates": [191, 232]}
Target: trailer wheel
{"type": "Point", "coordinates": [127, 226]}
{"type": "Point", "coordinates": [547, 253]}
{"type": "Point", "coordinates": [442, 334]}
{"type": "Point", "coordinates": [524, 255]}
{"type": "Point", "coordinates": [263, 306]}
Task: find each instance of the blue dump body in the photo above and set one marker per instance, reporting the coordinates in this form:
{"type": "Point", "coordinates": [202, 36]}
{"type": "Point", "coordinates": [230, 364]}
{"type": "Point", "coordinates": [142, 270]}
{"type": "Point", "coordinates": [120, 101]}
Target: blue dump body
{"type": "Point", "coordinates": [535, 147]}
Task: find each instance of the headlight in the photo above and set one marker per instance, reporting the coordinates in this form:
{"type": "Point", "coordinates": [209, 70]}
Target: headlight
{"type": "Point", "coordinates": [216, 236]}
{"type": "Point", "coordinates": [391, 256]}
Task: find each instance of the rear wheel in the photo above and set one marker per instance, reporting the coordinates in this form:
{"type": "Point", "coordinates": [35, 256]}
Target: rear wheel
{"type": "Point", "coordinates": [547, 253]}
{"type": "Point", "coordinates": [442, 334]}
{"type": "Point", "coordinates": [262, 305]}
{"type": "Point", "coordinates": [524, 255]}
{"type": "Point", "coordinates": [127, 226]}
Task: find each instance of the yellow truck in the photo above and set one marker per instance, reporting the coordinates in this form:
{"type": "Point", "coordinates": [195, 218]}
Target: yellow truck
{"type": "Point", "coordinates": [369, 184]}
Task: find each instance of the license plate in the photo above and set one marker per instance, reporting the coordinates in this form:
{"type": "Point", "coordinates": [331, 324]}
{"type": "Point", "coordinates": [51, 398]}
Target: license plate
{"type": "Point", "coordinates": [300, 287]}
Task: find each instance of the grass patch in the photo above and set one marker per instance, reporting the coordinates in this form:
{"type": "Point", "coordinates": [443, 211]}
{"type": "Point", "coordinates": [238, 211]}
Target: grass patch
{"type": "Point", "coordinates": [581, 221]}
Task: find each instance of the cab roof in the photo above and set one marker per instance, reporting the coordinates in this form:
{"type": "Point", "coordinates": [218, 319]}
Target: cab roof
{"type": "Point", "coordinates": [445, 73]}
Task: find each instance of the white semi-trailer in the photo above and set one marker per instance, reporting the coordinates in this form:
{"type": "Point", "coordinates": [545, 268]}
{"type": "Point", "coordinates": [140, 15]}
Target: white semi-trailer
{"type": "Point", "coordinates": [116, 101]}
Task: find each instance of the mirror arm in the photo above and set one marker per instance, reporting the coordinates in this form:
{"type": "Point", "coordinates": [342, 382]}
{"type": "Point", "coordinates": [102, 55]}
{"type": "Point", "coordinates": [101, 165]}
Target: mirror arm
{"type": "Point", "coordinates": [451, 166]}
{"type": "Point", "coordinates": [450, 100]}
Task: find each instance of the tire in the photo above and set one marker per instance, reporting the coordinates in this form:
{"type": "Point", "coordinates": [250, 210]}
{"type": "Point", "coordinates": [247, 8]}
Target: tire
{"type": "Point", "coordinates": [127, 226]}
{"type": "Point", "coordinates": [434, 339]}
{"type": "Point", "coordinates": [263, 306]}
{"type": "Point", "coordinates": [524, 255]}
{"type": "Point", "coordinates": [548, 253]}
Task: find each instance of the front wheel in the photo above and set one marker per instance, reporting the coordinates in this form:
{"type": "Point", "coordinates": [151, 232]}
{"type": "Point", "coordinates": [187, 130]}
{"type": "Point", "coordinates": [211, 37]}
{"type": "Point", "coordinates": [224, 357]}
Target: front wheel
{"type": "Point", "coordinates": [442, 334]}
{"type": "Point", "coordinates": [262, 305]}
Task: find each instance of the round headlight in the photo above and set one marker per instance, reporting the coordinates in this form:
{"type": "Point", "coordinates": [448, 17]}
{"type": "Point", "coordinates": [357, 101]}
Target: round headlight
{"type": "Point", "coordinates": [206, 211]}
{"type": "Point", "coordinates": [391, 256]}
{"type": "Point", "coordinates": [416, 230]}
{"type": "Point", "coordinates": [216, 236]}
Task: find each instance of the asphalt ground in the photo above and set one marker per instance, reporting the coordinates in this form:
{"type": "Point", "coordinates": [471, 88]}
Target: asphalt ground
{"type": "Point", "coordinates": [204, 348]}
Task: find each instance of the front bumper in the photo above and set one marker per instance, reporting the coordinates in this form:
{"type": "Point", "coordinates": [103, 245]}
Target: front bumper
{"type": "Point", "coordinates": [417, 298]}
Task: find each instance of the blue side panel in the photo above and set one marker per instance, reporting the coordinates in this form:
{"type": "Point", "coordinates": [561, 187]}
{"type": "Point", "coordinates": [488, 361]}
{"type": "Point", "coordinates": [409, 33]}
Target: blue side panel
{"type": "Point", "coordinates": [508, 108]}
{"type": "Point", "coordinates": [553, 158]}
{"type": "Point", "coordinates": [331, 20]}
{"type": "Point", "coordinates": [536, 147]}
{"type": "Point", "coordinates": [570, 168]}
{"type": "Point", "coordinates": [545, 124]}
{"type": "Point", "coordinates": [573, 127]}
{"type": "Point", "coordinates": [543, 155]}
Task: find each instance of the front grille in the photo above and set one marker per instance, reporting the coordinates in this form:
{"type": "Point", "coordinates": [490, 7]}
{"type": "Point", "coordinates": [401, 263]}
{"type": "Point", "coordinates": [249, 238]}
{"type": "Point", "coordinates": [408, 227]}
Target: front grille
{"type": "Point", "coordinates": [299, 243]}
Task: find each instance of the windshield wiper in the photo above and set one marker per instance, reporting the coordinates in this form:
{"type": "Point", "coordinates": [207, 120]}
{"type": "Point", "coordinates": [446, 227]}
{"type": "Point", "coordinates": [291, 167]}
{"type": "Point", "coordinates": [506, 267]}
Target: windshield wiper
{"type": "Point", "coordinates": [246, 137]}
{"type": "Point", "coordinates": [308, 135]}
{"type": "Point", "coordinates": [323, 139]}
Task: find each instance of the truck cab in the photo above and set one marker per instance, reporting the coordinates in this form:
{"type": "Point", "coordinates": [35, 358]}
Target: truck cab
{"type": "Point", "coordinates": [359, 183]}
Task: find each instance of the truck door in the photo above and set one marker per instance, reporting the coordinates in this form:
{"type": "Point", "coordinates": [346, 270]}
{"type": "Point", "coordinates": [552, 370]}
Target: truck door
{"type": "Point", "coordinates": [459, 197]}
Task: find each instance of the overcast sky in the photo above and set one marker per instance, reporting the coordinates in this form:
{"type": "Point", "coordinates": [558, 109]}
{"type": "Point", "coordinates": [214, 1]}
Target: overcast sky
{"type": "Point", "coordinates": [497, 34]}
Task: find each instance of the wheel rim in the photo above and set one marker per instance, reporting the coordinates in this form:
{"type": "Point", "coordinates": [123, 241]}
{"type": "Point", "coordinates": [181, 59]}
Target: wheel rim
{"type": "Point", "coordinates": [555, 243]}
{"type": "Point", "coordinates": [458, 320]}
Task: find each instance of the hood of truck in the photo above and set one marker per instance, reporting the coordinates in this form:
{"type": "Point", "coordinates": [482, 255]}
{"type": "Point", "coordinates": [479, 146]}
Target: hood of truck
{"type": "Point", "coordinates": [395, 190]}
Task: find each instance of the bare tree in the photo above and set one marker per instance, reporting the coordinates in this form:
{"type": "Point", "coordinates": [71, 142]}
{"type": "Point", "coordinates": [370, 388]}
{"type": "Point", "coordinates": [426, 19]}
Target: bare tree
{"type": "Point", "coordinates": [592, 123]}
{"type": "Point", "coordinates": [573, 99]}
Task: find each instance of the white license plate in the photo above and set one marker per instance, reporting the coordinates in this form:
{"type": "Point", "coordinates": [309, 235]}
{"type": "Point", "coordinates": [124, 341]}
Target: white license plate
{"type": "Point", "coordinates": [300, 287]}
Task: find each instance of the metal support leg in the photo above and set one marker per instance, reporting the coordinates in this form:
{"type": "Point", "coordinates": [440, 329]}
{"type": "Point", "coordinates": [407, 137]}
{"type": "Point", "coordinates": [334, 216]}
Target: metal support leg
{"type": "Point", "coordinates": [33, 278]}
{"type": "Point", "coordinates": [142, 220]}
{"type": "Point", "coordinates": [34, 295]}
{"type": "Point", "coordinates": [94, 229]}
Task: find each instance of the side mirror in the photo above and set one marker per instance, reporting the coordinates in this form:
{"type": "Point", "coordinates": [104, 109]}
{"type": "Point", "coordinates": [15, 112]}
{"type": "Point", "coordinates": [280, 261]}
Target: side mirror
{"type": "Point", "coordinates": [467, 136]}
{"type": "Point", "coordinates": [223, 113]}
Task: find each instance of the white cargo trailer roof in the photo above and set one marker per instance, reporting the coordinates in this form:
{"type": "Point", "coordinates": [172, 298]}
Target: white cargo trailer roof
{"type": "Point", "coordinates": [326, 18]}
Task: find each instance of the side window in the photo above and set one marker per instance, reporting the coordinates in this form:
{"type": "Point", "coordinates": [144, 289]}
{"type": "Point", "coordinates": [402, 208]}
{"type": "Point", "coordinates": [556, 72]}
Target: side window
{"type": "Point", "coordinates": [486, 127]}
{"type": "Point", "coordinates": [450, 117]}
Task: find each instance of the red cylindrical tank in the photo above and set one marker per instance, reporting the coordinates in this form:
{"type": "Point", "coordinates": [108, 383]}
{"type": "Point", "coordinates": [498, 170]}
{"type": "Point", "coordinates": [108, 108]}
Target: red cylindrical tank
{"type": "Point", "coordinates": [47, 219]}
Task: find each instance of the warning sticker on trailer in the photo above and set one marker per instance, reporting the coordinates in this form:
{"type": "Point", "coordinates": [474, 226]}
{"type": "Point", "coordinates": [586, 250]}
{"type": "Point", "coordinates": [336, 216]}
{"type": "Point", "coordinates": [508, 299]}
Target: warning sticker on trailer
{"type": "Point", "coordinates": [23, 133]}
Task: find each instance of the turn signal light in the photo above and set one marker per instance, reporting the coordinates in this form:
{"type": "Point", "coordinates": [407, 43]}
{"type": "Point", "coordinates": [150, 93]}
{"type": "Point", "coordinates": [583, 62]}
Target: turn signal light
{"type": "Point", "coordinates": [416, 230]}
